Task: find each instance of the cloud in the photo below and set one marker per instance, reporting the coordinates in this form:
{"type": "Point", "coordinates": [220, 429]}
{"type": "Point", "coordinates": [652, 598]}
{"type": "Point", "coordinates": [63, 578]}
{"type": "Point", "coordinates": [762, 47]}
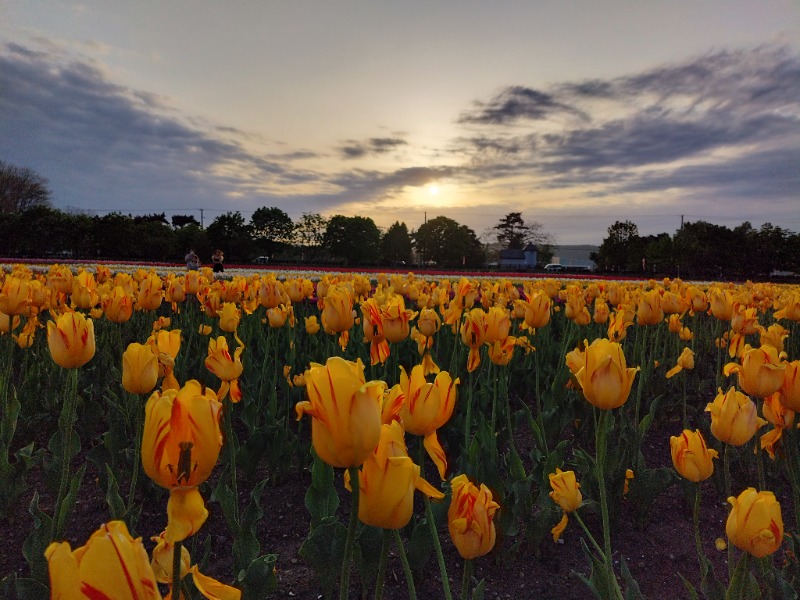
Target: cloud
{"type": "Point", "coordinates": [373, 146]}
{"type": "Point", "coordinates": [516, 103]}
{"type": "Point", "coordinates": [720, 127]}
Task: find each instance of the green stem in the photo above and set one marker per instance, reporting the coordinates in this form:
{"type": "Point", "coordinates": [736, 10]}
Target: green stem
{"type": "Point", "coordinates": [137, 449]}
{"type": "Point", "coordinates": [601, 480]}
{"type": "Point", "coordinates": [468, 420]}
{"type": "Point", "coordinates": [65, 424]}
{"type": "Point", "coordinates": [382, 565]}
{"type": "Point", "coordinates": [177, 550]}
{"type": "Point", "coordinates": [466, 579]}
{"type": "Point", "coordinates": [597, 547]}
{"type": "Point", "coordinates": [344, 580]}
{"type": "Point", "coordinates": [696, 521]}
{"type": "Point", "coordinates": [685, 419]}
{"type": "Point", "coordinates": [726, 465]}
{"type": "Point", "coordinates": [401, 550]}
{"type": "Point", "coordinates": [434, 533]}
{"type": "Point", "coordinates": [791, 461]}
{"type": "Point", "coordinates": [230, 447]}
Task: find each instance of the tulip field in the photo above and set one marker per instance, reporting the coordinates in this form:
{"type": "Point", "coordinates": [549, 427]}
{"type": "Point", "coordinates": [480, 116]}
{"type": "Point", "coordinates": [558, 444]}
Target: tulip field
{"type": "Point", "coordinates": [168, 433]}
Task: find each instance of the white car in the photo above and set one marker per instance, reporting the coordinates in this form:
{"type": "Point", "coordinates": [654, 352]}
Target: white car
{"type": "Point", "coordinates": [554, 268]}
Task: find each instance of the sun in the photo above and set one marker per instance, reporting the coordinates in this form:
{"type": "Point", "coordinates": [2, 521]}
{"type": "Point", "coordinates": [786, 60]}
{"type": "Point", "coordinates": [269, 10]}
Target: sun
{"type": "Point", "coordinates": [433, 190]}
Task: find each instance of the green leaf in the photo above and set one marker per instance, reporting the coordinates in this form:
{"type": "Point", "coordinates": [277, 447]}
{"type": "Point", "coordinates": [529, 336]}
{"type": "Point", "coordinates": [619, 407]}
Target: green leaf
{"type": "Point", "coordinates": [224, 495]}
{"type": "Point", "coordinates": [420, 547]}
{"type": "Point", "coordinates": [632, 591]}
{"type": "Point", "coordinates": [689, 588]}
{"type": "Point", "coordinates": [245, 544]}
{"type": "Point", "coordinates": [323, 550]}
{"type": "Point", "coordinates": [321, 498]}
{"type": "Point", "coordinates": [743, 585]}
{"type": "Point", "coordinates": [70, 498]}
{"type": "Point", "coordinates": [116, 505]}
{"type": "Point", "coordinates": [367, 555]}
{"type": "Point", "coordinates": [260, 579]}
{"type": "Point", "coordinates": [479, 592]}
{"type": "Point", "coordinates": [23, 588]}
{"type": "Point", "coordinates": [37, 541]}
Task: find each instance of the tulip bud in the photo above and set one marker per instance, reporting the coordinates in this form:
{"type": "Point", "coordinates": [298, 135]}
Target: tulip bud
{"type": "Point", "coordinates": [733, 417]}
{"type": "Point", "coordinates": [604, 377]}
{"type": "Point", "coordinates": [470, 518]}
{"type": "Point", "coordinates": [139, 369]}
{"type": "Point", "coordinates": [566, 490]}
{"type": "Point", "coordinates": [755, 524]}
{"type": "Point", "coordinates": [691, 457]}
{"type": "Point", "coordinates": [71, 340]}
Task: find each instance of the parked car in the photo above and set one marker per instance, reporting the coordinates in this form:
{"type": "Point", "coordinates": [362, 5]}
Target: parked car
{"type": "Point", "coordinates": [554, 268]}
{"type": "Point", "coordinates": [261, 260]}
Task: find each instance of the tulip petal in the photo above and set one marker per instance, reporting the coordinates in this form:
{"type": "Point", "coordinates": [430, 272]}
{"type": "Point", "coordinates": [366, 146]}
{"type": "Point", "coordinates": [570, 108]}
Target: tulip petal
{"type": "Point", "coordinates": [186, 513]}
{"type": "Point", "coordinates": [213, 589]}
{"type": "Point", "coordinates": [436, 452]}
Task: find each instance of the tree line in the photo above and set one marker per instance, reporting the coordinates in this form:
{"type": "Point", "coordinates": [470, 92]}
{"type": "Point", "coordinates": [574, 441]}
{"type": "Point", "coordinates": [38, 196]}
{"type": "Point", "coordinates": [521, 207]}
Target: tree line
{"type": "Point", "coordinates": [31, 228]}
{"type": "Point", "coordinates": [700, 249]}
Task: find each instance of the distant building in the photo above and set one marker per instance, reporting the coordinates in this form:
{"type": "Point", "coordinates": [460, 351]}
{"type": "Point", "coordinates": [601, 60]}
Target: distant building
{"type": "Point", "coordinates": [575, 257]}
{"type": "Point", "coordinates": [524, 259]}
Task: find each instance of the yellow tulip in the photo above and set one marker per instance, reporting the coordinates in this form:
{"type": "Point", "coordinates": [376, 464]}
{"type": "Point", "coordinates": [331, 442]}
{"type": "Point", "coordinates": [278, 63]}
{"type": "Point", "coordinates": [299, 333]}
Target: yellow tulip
{"type": "Point", "coordinates": [139, 369]}
{"type": "Point", "coordinates": [227, 368]}
{"type": "Point", "coordinates": [312, 325]}
{"type": "Point", "coordinates": [428, 322]}
{"type": "Point", "coordinates": [774, 335]}
{"type": "Point", "coordinates": [502, 351]}
{"type": "Point", "coordinates": [604, 377]}
{"type": "Point", "coordinates": [691, 457]}
{"type": "Point", "coordinates": [150, 293]}
{"type": "Point", "coordinates": [387, 481]}
{"type": "Point", "coordinates": [118, 305]}
{"type": "Point", "coordinates": [733, 417]}
{"type": "Point", "coordinates": [345, 411]}
{"type": "Point", "coordinates": [721, 303]}
{"type": "Point", "coordinates": [537, 310]}
{"type": "Point", "coordinates": [566, 490]}
{"type": "Point", "coordinates": [649, 311]}
{"type": "Point", "coordinates": [498, 324]}
{"type": "Point", "coordinates": [163, 554]}
{"type": "Point", "coordinates": [427, 407]}
{"type": "Point", "coordinates": [71, 340]}
{"type": "Point", "coordinates": [685, 361]}
{"type": "Point", "coordinates": [229, 317]}
{"type": "Point", "coordinates": [473, 334]}
{"type": "Point", "coordinates": [337, 314]}
{"type": "Point", "coordinates": [15, 296]}
{"type": "Point", "coordinates": [396, 319]}
{"type": "Point", "coordinates": [790, 389]}
{"type": "Point", "coordinates": [180, 447]}
{"type": "Point", "coordinates": [760, 373]}
{"type": "Point", "coordinates": [755, 524]}
{"type": "Point", "coordinates": [470, 518]}
{"type": "Point", "coordinates": [111, 564]}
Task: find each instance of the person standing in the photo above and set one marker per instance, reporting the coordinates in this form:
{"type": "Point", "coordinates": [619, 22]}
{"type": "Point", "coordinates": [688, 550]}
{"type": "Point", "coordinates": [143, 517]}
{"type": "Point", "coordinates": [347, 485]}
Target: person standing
{"type": "Point", "coordinates": [192, 261]}
{"type": "Point", "coordinates": [216, 260]}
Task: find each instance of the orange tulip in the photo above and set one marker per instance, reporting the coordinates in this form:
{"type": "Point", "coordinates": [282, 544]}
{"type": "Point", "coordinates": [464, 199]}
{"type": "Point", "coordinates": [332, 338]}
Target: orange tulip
{"type": "Point", "coordinates": [470, 518]}
{"type": "Point", "coordinates": [112, 564]}
{"type": "Point", "coordinates": [227, 368]}
{"type": "Point", "coordinates": [733, 417]}
{"type": "Point", "coordinates": [345, 411]}
{"type": "Point", "coordinates": [691, 456]}
{"type": "Point", "coordinates": [71, 340]}
{"type": "Point", "coordinates": [604, 377]}
{"type": "Point", "coordinates": [760, 373]}
{"type": "Point", "coordinates": [755, 524]}
{"type": "Point", "coordinates": [387, 481]}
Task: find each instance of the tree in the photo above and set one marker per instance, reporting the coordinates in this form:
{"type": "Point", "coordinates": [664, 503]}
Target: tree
{"type": "Point", "coordinates": [21, 188]}
{"type": "Point", "coordinates": [271, 225]}
{"type": "Point", "coordinates": [396, 244]}
{"type": "Point", "coordinates": [179, 221]}
{"type": "Point", "coordinates": [514, 233]}
{"type": "Point", "coordinates": [449, 244]}
{"type": "Point", "coordinates": [621, 249]}
{"type": "Point", "coordinates": [230, 233]}
{"type": "Point", "coordinates": [355, 239]}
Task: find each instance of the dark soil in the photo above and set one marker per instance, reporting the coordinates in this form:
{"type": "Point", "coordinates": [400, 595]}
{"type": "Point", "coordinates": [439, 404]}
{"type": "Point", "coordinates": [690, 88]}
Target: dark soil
{"type": "Point", "coordinates": [657, 554]}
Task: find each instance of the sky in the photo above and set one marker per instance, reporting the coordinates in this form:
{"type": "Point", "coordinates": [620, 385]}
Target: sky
{"type": "Point", "coordinates": [576, 114]}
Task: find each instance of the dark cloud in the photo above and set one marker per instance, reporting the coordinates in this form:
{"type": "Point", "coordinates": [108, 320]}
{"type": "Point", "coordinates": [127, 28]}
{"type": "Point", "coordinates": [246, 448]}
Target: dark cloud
{"type": "Point", "coordinates": [356, 149]}
{"type": "Point", "coordinates": [516, 103]}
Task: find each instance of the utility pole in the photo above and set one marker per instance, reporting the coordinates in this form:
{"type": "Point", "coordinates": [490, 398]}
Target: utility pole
{"type": "Point", "coordinates": [681, 221]}
{"type": "Point", "coordinates": [201, 219]}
